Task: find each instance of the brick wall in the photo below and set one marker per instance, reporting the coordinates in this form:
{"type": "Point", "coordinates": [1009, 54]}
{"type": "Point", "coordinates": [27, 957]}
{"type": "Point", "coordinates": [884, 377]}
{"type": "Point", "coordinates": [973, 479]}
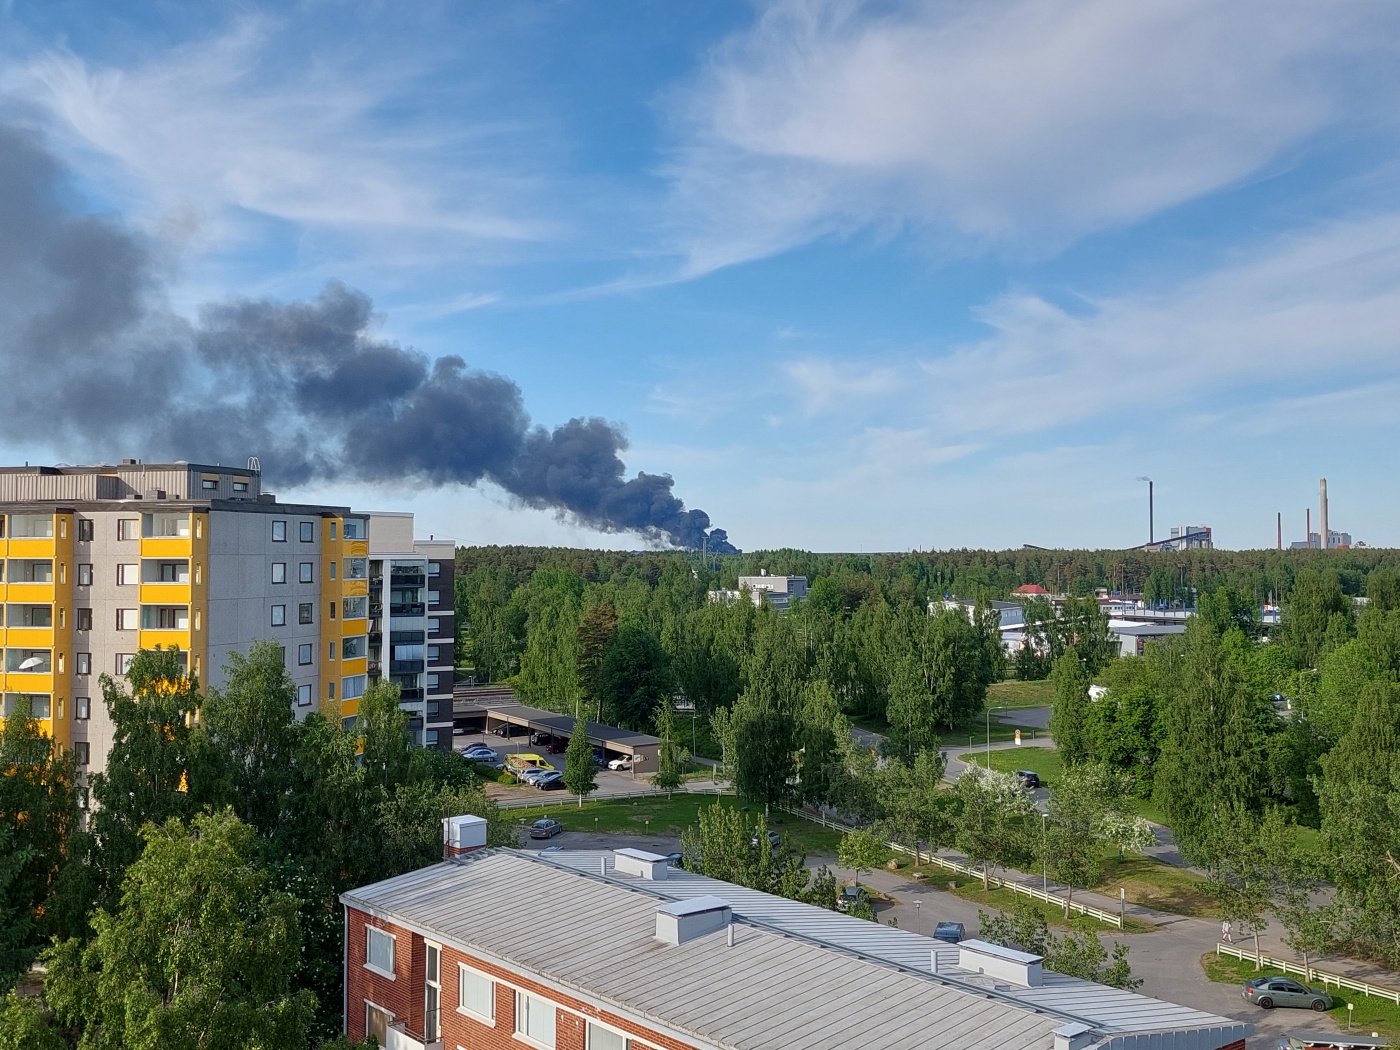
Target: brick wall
{"type": "Point", "coordinates": [403, 996]}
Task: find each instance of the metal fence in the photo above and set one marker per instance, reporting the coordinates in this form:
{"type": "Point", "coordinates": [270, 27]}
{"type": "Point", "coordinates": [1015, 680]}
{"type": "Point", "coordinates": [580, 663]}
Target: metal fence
{"type": "Point", "coordinates": [1311, 973]}
{"type": "Point", "coordinates": [1106, 917]}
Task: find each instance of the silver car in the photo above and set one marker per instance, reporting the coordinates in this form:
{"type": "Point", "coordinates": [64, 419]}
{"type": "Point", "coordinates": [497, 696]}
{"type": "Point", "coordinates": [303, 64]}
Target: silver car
{"type": "Point", "coordinates": [1268, 992]}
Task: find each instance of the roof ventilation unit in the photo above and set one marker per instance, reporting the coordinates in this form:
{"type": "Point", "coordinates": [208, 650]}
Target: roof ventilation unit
{"type": "Point", "coordinates": [1006, 964]}
{"type": "Point", "coordinates": [1073, 1036]}
{"type": "Point", "coordinates": [682, 921]}
{"type": "Point", "coordinates": [462, 835]}
{"type": "Point", "coordinates": [640, 863]}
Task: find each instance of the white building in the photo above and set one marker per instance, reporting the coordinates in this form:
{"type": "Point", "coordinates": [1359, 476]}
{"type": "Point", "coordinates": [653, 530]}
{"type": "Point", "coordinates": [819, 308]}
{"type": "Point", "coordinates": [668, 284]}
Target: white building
{"type": "Point", "coordinates": [778, 591]}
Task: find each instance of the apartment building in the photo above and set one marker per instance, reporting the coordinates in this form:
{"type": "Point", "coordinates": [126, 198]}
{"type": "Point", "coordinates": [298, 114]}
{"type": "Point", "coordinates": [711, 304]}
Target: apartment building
{"type": "Point", "coordinates": [101, 562]}
{"type": "Point", "coordinates": [615, 950]}
{"type": "Point", "coordinates": [412, 633]}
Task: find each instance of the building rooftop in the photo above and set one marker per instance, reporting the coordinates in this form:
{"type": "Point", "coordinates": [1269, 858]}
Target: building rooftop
{"type": "Point", "coordinates": [797, 977]}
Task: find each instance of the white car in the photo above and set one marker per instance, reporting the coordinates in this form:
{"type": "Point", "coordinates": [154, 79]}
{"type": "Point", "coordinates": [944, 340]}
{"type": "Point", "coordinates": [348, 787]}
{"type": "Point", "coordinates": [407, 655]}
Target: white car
{"type": "Point", "coordinates": [625, 762]}
{"type": "Point", "coordinates": [480, 753]}
{"type": "Point", "coordinates": [529, 776]}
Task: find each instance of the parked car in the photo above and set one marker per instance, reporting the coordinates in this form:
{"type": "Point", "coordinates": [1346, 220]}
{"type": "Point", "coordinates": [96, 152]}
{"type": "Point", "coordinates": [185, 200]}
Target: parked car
{"type": "Point", "coordinates": [1030, 780]}
{"type": "Point", "coordinates": [598, 756]}
{"type": "Point", "coordinates": [624, 762]}
{"type": "Point", "coordinates": [545, 828]}
{"type": "Point", "coordinates": [1334, 1041]}
{"type": "Point", "coordinates": [541, 739]}
{"type": "Point", "coordinates": [481, 753]}
{"type": "Point", "coordinates": [952, 932]}
{"type": "Point", "coordinates": [553, 849]}
{"type": "Point", "coordinates": [848, 897]}
{"type": "Point", "coordinates": [1268, 992]}
{"type": "Point", "coordinates": [550, 781]}
{"type": "Point", "coordinates": [529, 776]}
{"type": "Point", "coordinates": [676, 860]}
{"type": "Point", "coordinates": [459, 730]}
{"type": "Point", "coordinates": [774, 839]}
{"type": "Point", "coordinates": [508, 729]}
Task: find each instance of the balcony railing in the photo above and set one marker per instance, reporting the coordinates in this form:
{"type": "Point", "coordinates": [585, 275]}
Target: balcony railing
{"type": "Point", "coordinates": [412, 609]}
{"type": "Point", "coordinates": [405, 666]}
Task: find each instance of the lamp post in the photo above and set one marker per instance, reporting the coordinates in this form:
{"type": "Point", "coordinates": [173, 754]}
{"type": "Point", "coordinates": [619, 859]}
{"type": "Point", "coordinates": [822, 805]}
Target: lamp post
{"type": "Point", "coordinates": [916, 914]}
{"type": "Point", "coordinates": [1044, 855]}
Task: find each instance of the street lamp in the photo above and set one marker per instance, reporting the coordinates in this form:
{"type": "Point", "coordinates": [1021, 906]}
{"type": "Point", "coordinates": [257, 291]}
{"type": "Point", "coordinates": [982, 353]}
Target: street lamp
{"type": "Point", "coordinates": [1044, 855]}
{"type": "Point", "coordinates": [916, 914]}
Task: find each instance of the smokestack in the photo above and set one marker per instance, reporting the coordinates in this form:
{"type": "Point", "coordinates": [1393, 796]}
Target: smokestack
{"type": "Point", "coordinates": [1307, 527]}
{"type": "Point", "coordinates": [1322, 522]}
{"type": "Point", "coordinates": [1280, 530]}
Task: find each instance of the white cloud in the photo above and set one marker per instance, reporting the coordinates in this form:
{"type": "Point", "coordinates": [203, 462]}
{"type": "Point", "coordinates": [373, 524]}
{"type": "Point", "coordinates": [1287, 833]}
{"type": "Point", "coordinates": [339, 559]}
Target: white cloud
{"type": "Point", "coordinates": [1020, 124]}
{"type": "Point", "coordinates": [229, 128]}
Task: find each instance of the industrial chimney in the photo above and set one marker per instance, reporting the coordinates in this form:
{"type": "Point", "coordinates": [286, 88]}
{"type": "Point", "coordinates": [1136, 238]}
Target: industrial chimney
{"type": "Point", "coordinates": [1322, 524]}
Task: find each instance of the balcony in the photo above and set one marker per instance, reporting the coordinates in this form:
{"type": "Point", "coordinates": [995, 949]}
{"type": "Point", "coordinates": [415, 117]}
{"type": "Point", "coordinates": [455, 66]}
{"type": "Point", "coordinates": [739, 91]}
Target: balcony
{"type": "Point", "coordinates": [407, 695]}
{"type": "Point", "coordinates": [400, 1039]}
{"type": "Point", "coordinates": [405, 666]}
{"type": "Point", "coordinates": [408, 609]}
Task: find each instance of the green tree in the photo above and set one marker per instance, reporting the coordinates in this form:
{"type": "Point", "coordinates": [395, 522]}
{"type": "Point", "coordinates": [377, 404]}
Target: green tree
{"type": "Point", "coordinates": [580, 768]}
{"type": "Point", "coordinates": [1317, 616]}
{"type": "Point", "coordinates": [25, 1025]}
{"type": "Point", "coordinates": [993, 823]}
{"type": "Point", "coordinates": [1078, 954]}
{"type": "Point", "coordinates": [383, 726]}
{"type": "Point", "coordinates": [1070, 707]}
{"type": "Point", "coordinates": [671, 756]}
{"type": "Point", "coordinates": [861, 850]}
{"type": "Point", "coordinates": [723, 845]}
{"type": "Point", "coordinates": [199, 953]}
{"type": "Point", "coordinates": [916, 809]}
{"type": "Point", "coordinates": [595, 632]}
{"type": "Point", "coordinates": [636, 677]}
{"type": "Point", "coordinates": [146, 779]}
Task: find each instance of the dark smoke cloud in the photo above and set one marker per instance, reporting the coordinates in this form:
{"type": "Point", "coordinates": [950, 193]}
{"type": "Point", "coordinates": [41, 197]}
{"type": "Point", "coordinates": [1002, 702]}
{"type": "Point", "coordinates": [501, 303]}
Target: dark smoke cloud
{"type": "Point", "coordinates": [91, 358]}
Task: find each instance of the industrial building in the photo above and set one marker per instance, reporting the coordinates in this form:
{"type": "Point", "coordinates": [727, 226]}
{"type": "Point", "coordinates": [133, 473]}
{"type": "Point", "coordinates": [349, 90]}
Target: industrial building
{"type": "Point", "coordinates": [615, 950]}
{"type": "Point", "coordinates": [101, 562]}
{"type": "Point", "coordinates": [778, 591]}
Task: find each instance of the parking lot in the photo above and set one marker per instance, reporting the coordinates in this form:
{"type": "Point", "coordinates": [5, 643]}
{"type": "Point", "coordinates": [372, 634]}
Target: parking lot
{"type": "Point", "coordinates": [607, 780]}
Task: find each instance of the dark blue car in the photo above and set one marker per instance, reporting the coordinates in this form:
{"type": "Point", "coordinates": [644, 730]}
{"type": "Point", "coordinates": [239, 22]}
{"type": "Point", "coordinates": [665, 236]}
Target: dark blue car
{"type": "Point", "coordinates": [952, 932]}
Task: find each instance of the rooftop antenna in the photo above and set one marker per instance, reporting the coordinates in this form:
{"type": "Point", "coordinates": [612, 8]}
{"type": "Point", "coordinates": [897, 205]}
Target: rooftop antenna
{"type": "Point", "coordinates": [1151, 525]}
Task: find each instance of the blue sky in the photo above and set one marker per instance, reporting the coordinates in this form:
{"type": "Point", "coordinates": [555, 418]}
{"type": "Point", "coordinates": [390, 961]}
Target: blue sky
{"type": "Point", "coordinates": [858, 275]}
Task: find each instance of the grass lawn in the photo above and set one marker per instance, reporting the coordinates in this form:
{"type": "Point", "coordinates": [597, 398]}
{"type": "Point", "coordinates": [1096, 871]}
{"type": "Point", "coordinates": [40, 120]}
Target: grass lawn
{"type": "Point", "coordinates": [1157, 885]}
{"type": "Point", "coordinates": [1020, 694]}
{"type": "Point", "coordinates": [1371, 1015]}
{"type": "Point", "coordinates": [1042, 761]}
{"type": "Point", "coordinates": [670, 816]}
{"type": "Point", "coordinates": [970, 889]}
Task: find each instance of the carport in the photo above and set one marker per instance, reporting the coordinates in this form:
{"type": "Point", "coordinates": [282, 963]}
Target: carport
{"type": "Point", "coordinates": [495, 711]}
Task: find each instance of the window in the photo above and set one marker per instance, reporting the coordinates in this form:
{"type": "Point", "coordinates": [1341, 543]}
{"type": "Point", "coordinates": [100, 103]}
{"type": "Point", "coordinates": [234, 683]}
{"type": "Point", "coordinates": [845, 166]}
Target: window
{"type": "Point", "coordinates": [85, 530]}
{"type": "Point", "coordinates": [475, 994]}
{"type": "Point", "coordinates": [355, 608]}
{"type": "Point", "coordinates": [534, 1019]}
{"type": "Point", "coordinates": [306, 612]}
{"type": "Point", "coordinates": [434, 568]}
{"type": "Point", "coordinates": [31, 526]}
{"type": "Point", "coordinates": [240, 486]}
{"type": "Point", "coordinates": [354, 530]}
{"type": "Point", "coordinates": [330, 650]}
{"type": "Point", "coordinates": [433, 625]}
{"type": "Point", "coordinates": [332, 530]}
{"type": "Point", "coordinates": [128, 574]}
{"type": "Point", "coordinates": [352, 648]}
{"type": "Point", "coordinates": [40, 705]}
{"type": "Point", "coordinates": [430, 738]}
{"type": "Point", "coordinates": [174, 572]}
{"type": "Point", "coordinates": [84, 619]}
{"type": "Point", "coordinates": [332, 603]}
{"type": "Point", "coordinates": [306, 572]}
{"type": "Point", "coordinates": [379, 951]}
{"type": "Point", "coordinates": [124, 662]}
{"type": "Point", "coordinates": [82, 663]}
{"type": "Point", "coordinates": [304, 654]}
{"type": "Point", "coordinates": [353, 687]}
{"type": "Point", "coordinates": [600, 1038]}
{"type": "Point", "coordinates": [208, 484]}
{"type": "Point", "coordinates": [279, 532]}
{"type": "Point", "coordinates": [167, 524]}
{"type": "Point", "coordinates": [84, 751]}
{"type": "Point", "coordinates": [82, 708]}
{"type": "Point", "coordinates": [128, 620]}
{"type": "Point", "coordinates": [279, 616]}
{"type": "Point", "coordinates": [308, 531]}
{"type": "Point", "coordinates": [433, 680]}
{"type": "Point", "coordinates": [377, 1023]}
{"type": "Point", "coordinates": [433, 651]}
{"type": "Point", "coordinates": [304, 694]}
{"type": "Point", "coordinates": [330, 690]}
{"type": "Point", "coordinates": [356, 568]}
{"type": "Point", "coordinates": [432, 993]}
{"type": "Point", "coordinates": [279, 572]}
{"type": "Point", "coordinates": [128, 528]}
{"type": "Point", "coordinates": [434, 598]}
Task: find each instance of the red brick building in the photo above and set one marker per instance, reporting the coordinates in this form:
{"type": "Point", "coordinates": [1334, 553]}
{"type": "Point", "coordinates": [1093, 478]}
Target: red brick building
{"type": "Point", "coordinates": [514, 950]}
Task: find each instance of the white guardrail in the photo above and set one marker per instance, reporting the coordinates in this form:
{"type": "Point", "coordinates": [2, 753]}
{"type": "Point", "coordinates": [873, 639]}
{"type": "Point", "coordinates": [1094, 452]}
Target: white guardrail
{"type": "Point", "coordinates": [1311, 974]}
{"type": "Point", "coordinates": [1107, 917]}
{"type": "Point", "coordinates": [564, 798]}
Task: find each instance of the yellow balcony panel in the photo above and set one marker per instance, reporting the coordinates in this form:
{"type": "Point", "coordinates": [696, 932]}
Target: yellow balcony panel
{"type": "Point", "coordinates": [23, 682]}
{"type": "Point", "coordinates": [166, 547]}
{"type": "Point", "coordinates": [354, 588]}
{"type": "Point", "coordinates": [357, 548]}
{"type": "Point", "coordinates": [29, 638]}
{"type": "Point", "coordinates": [350, 628]}
{"type": "Point", "coordinates": [30, 593]}
{"type": "Point", "coordinates": [164, 639]}
{"type": "Point", "coordinates": [27, 548]}
{"type": "Point", "coordinates": [165, 594]}
{"type": "Point", "coordinates": [349, 707]}
{"type": "Point", "coordinates": [357, 666]}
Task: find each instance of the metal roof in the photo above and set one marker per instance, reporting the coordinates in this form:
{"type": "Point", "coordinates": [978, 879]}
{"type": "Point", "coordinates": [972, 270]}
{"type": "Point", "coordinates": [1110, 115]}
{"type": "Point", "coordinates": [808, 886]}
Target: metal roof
{"type": "Point", "coordinates": [557, 724]}
{"type": "Point", "coordinates": [796, 978]}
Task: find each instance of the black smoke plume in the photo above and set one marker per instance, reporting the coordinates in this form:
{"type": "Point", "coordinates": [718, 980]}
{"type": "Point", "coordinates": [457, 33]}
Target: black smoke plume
{"type": "Point", "coordinates": [92, 359]}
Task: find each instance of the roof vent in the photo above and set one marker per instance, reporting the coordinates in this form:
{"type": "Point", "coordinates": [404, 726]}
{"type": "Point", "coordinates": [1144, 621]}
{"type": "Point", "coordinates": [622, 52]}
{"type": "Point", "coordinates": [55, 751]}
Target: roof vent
{"type": "Point", "coordinates": [640, 863]}
{"type": "Point", "coordinates": [1073, 1036]}
{"type": "Point", "coordinates": [462, 835]}
{"type": "Point", "coordinates": [1006, 964]}
{"type": "Point", "coordinates": [682, 921]}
